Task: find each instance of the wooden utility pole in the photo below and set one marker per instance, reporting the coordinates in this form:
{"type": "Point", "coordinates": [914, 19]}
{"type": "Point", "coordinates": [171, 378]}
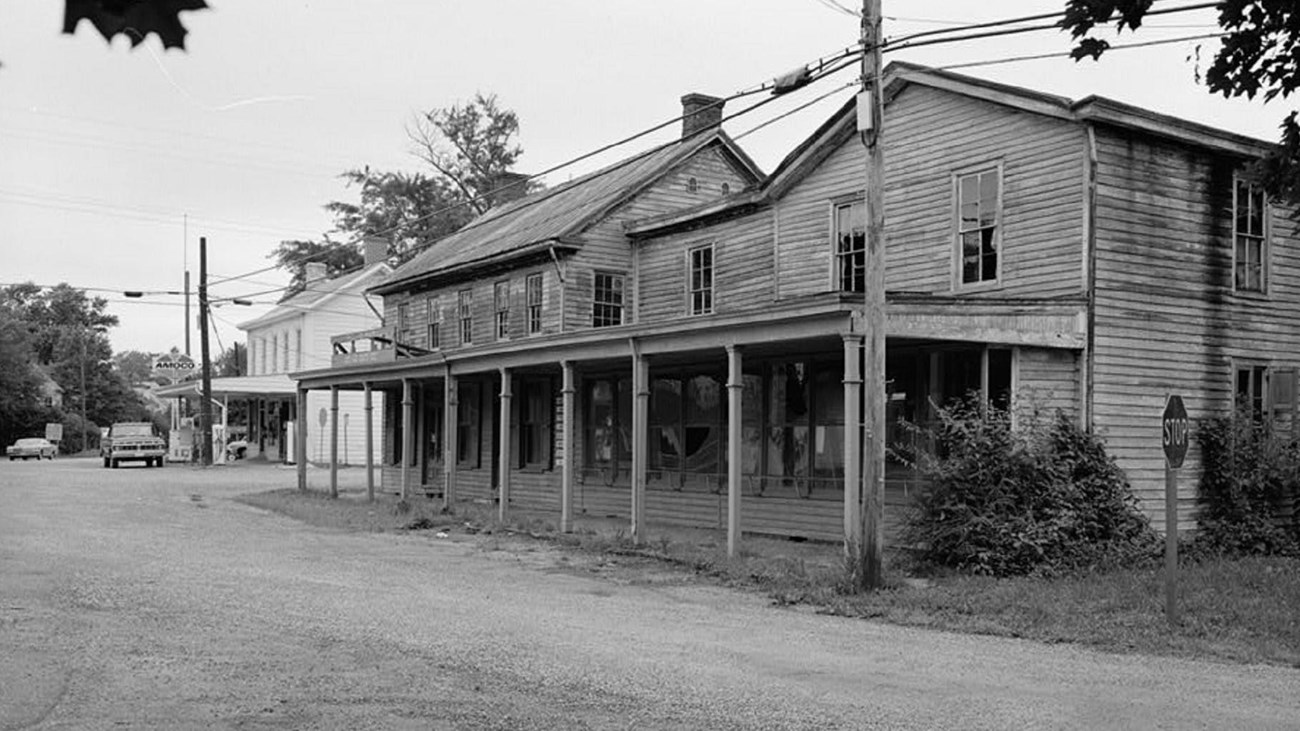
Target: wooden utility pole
{"type": "Point", "coordinates": [205, 407]}
{"type": "Point", "coordinates": [868, 569]}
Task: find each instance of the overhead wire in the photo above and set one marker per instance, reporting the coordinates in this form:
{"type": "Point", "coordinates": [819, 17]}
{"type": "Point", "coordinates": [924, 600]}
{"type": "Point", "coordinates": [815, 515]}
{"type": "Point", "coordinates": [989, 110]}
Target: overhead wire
{"type": "Point", "coordinates": [1066, 54]}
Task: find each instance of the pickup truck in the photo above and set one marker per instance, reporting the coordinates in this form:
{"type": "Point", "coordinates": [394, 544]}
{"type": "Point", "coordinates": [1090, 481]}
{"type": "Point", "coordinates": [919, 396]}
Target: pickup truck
{"type": "Point", "coordinates": [128, 440]}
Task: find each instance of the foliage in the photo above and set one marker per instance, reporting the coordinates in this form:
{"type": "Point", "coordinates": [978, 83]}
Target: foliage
{"type": "Point", "coordinates": [232, 361]}
{"type": "Point", "coordinates": [468, 148]}
{"type": "Point", "coordinates": [1041, 499]}
{"type": "Point", "coordinates": [1248, 473]}
{"type": "Point", "coordinates": [135, 366]}
{"type": "Point", "coordinates": [135, 19]}
{"type": "Point", "coordinates": [1259, 54]}
{"type": "Point", "coordinates": [20, 410]}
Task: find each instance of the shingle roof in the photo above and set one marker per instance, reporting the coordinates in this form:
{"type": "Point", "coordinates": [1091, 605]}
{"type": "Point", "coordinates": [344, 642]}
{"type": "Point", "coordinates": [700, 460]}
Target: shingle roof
{"type": "Point", "coordinates": [553, 215]}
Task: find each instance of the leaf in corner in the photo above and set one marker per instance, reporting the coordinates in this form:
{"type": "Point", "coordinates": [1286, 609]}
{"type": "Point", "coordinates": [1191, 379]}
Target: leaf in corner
{"type": "Point", "coordinates": [135, 19]}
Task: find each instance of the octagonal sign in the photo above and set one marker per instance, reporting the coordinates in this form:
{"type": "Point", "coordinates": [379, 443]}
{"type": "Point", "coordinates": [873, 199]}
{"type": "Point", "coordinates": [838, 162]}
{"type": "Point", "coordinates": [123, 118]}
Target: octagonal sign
{"type": "Point", "coordinates": [1174, 431]}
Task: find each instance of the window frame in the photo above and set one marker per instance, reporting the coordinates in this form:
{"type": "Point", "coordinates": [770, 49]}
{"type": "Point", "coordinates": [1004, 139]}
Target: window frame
{"type": "Point", "coordinates": [838, 256]}
{"type": "Point", "coordinates": [543, 424]}
{"type": "Point", "coordinates": [501, 309]}
{"type": "Point", "coordinates": [1261, 239]}
{"type": "Point", "coordinates": [432, 323]}
{"type": "Point", "coordinates": [469, 421]}
{"type": "Point", "coordinates": [997, 236]}
{"type": "Point", "coordinates": [599, 308]}
{"type": "Point", "coordinates": [534, 300]}
{"type": "Point", "coordinates": [465, 313]}
{"type": "Point", "coordinates": [403, 318]}
{"type": "Point", "coordinates": [708, 305]}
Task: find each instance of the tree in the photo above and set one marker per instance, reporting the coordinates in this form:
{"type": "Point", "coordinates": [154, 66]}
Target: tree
{"type": "Point", "coordinates": [232, 360]}
{"type": "Point", "coordinates": [20, 405]}
{"type": "Point", "coordinates": [136, 367]}
{"type": "Point", "coordinates": [135, 19]}
{"type": "Point", "coordinates": [469, 148]}
{"type": "Point", "coordinates": [1260, 54]}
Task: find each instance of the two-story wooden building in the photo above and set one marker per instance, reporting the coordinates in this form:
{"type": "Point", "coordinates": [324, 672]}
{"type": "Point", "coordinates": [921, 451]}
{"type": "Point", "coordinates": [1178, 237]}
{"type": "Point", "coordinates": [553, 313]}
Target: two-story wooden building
{"type": "Point", "coordinates": [677, 338]}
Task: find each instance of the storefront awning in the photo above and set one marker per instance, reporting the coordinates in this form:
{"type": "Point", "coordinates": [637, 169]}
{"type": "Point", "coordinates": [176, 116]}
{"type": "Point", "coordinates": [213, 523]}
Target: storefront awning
{"type": "Point", "coordinates": [270, 386]}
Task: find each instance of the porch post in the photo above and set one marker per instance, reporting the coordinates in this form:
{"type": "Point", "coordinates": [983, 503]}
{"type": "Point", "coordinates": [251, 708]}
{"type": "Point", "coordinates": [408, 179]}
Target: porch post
{"type": "Point", "coordinates": [567, 450]}
{"type": "Point", "coordinates": [640, 414]}
{"type": "Point", "coordinates": [407, 426]}
{"type": "Point", "coordinates": [451, 418]}
{"type": "Point", "coordinates": [852, 441]}
{"type": "Point", "coordinates": [370, 444]}
{"type": "Point", "coordinates": [503, 463]}
{"type": "Point", "coordinates": [300, 446]}
{"type": "Point", "coordinates": [735, 402]}
{"type": "Point", "coordinates": [334, 441]}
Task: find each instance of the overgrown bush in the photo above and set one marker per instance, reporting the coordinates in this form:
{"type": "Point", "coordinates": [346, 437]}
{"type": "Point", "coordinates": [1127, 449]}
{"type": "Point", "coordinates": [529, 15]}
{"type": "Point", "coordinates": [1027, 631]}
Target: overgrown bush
{"type": "Point", "coordinates": [1041, 499]}
{"type": "Point", "coordinates": [1250, 479]}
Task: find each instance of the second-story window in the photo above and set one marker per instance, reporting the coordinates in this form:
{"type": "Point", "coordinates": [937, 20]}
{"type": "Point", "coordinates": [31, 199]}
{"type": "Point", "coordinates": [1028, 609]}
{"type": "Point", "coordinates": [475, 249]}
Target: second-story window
{"type": "Point", "coordinates": [403, 319]}
{"type": "Point", "coordinates": [433, 323]}
{"type": "Point", "coordinates": [607, 300]}
{"type": "Point", "coordinates": [700, 280]}
{"type": "Point", "coordinates": [977, 227]}
{"type": "Point", "coordinates": [534, 302]}
{"type": "Point", "coordinates": [1250, 240]}
{"type": "Point", "coordinates": [297, 334]}
{"type": "Point", "coordinates": [275, 353]}
{"type": "Point", "coordinates": [501, 308]}
{"type": "Point", "coordinates": [465, 306]}
{"type": "Point", "coordinates": [284, 349]}
{"type": "Point", "coordinates": [851, 246]}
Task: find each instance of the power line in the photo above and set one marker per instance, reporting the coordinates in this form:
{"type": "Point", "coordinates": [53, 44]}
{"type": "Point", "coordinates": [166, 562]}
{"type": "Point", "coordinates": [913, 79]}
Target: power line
{"type": "Point", "coordinates": [1066, 54]}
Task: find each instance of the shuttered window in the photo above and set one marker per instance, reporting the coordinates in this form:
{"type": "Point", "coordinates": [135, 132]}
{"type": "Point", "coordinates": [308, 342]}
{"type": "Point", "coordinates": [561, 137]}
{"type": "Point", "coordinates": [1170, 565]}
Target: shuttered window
{"type": "Point", "coordinates": [977, 227]}
{"type": "Point", "coordinates": [1250, 240]}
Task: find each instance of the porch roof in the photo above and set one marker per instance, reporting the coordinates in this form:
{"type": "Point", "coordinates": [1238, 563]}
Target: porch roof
{"type": "Point", "coordinates": [275, 384]}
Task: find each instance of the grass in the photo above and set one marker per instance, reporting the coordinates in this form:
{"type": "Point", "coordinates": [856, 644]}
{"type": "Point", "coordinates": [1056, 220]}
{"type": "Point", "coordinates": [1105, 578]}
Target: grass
{"type": "Point", "coordinates": [1231, 610]}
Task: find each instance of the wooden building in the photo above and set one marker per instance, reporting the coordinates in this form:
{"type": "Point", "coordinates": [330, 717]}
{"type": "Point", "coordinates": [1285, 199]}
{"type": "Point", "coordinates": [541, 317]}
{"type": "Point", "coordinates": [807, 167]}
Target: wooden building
{"type": "Point", "coordinates": [678, 338]}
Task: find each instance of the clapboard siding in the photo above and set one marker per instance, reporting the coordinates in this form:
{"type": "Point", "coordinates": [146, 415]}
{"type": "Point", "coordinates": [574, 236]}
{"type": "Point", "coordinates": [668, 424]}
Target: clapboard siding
{"type": "Point", "coordinates": [742, 261]}
{"type": "Point", "coordinates": [1047, 380]}
{"type": "Point", "coordinates": [934, 134]}
{"type": "Point", "coordinates": [1167, 319]}
{"type": "Point", "coordinates": [607, 248]}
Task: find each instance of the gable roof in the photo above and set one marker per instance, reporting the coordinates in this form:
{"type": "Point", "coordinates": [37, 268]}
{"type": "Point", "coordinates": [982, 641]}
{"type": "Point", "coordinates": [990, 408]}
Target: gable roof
{"type": "Point", "coordinates": [557, 216]}
{"type": "Point", "coordinates": [899, 75]}
{"type": "Point", "coordinates": [320, 293]}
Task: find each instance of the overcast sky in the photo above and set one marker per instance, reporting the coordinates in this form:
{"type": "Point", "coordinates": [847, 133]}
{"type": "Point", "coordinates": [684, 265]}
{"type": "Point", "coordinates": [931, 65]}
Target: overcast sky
{"type": "Point", "coordinates": [113, 161]}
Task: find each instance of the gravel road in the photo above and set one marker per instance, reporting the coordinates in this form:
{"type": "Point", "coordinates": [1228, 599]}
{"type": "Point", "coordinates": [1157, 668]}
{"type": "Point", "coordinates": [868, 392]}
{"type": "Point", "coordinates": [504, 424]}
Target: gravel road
{"type": "Point", "coordinates": [149, 598]}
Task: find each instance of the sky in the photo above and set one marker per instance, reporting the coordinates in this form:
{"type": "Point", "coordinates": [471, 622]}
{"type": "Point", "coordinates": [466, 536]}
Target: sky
{"type": "Point", "coordinates": [115, 161]}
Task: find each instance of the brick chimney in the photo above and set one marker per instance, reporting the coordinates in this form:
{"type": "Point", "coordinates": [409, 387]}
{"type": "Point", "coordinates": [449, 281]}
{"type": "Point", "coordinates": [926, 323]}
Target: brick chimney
{"type": "Point", "coordinates": [506, 186]}
{"type": "Point", "coordinates": [312, 272]}
{"type": "Point", "coordinates": [700, 112]}
{"type": "Point", "coordinates": [374, 249]}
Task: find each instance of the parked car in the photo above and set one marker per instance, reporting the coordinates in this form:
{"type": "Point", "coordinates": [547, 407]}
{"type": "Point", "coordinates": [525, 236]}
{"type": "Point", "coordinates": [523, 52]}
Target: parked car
{"type": "Point", "coordinates": [31, 447]}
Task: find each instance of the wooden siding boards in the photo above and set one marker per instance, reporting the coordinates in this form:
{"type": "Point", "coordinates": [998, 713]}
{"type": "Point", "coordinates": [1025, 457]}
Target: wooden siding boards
{"type": "Point", "coordinates": [933, 135]}
{"type": "Point", "coordinates": [1167, 319]}
{"type": "Point", "coordinates": [742, 269]}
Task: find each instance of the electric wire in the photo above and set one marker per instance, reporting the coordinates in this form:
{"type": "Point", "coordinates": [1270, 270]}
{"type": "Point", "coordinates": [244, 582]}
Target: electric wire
{"type": "Point", "coordinates": [1066, 54]}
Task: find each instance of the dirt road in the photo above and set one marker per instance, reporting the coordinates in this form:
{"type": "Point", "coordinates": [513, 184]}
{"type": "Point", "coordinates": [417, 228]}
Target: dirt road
{"type": "Point", "coordinates": [148, 598]}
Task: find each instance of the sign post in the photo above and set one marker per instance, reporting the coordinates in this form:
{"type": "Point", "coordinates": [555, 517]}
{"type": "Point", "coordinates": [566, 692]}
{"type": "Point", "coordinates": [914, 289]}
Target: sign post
{"type": "Point", "coordinates": [1174, 433]}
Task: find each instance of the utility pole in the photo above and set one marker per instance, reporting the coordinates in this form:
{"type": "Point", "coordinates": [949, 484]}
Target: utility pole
{"type": "Point", "coordinates": [205, 408]}
{"type": "Point", "coordinates": [868, 568]}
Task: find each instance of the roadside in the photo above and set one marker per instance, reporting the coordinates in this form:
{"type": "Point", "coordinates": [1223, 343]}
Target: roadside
{"type": "Point", "coordinates": [1238, 611]}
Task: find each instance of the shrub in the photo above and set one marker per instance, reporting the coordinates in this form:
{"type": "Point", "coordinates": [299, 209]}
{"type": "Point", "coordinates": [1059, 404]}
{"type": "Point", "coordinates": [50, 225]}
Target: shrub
{"type": "Point", "coordinates": [1041, 499]}
{"type": "Point", "coordinates": [1249, 476]}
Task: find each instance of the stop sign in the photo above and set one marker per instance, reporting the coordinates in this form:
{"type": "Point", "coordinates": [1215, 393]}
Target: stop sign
{"type": "Point", "coordinates": [1174, 431]}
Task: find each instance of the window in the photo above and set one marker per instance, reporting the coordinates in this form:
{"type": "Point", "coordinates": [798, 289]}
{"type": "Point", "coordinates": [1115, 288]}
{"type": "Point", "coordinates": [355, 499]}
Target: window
{"type": "Point", "coordinates": [851, 246]}
{"type": "Point", "coordinates": [433, 318]}
{"type": "Point", "coordinates": [535, 419]}
{"type": "Point", "coordinates": [1250, 390]}
{"type": "Point", "coordinates": [1250, 248]}
{"type": "Point", "coordinates": [298, 353]}
{"type": "Point", "coordinates": [607, 304]}
{"type": "Point", "coordinates": [285, 349]}
{"type": "Point", "coordinates": [726, 189]}
{"type": "Point", "coordinates": [468, 425]}
{"type": "Point", "coordinates": [533, 287]}
{"type": "Point", "coordinates": [275, 353]}
{"type": "Point", "coordinates": [977, 224]}
{"type": "Point", "coordinates": [403, 319]}
{"type": "Point", "coordinates": [700, 261]}
{"type": "Point", "coordinates": [692, 185]}
{"type": "Point", "coordinates": [501, 308]}
{"type": "Point", "coordinates": [466, 309]}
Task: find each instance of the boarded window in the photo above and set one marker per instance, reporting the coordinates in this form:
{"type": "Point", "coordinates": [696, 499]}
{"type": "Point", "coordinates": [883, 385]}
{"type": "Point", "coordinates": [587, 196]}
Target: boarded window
{"type": "Point", "coordinates": [977, 223]}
